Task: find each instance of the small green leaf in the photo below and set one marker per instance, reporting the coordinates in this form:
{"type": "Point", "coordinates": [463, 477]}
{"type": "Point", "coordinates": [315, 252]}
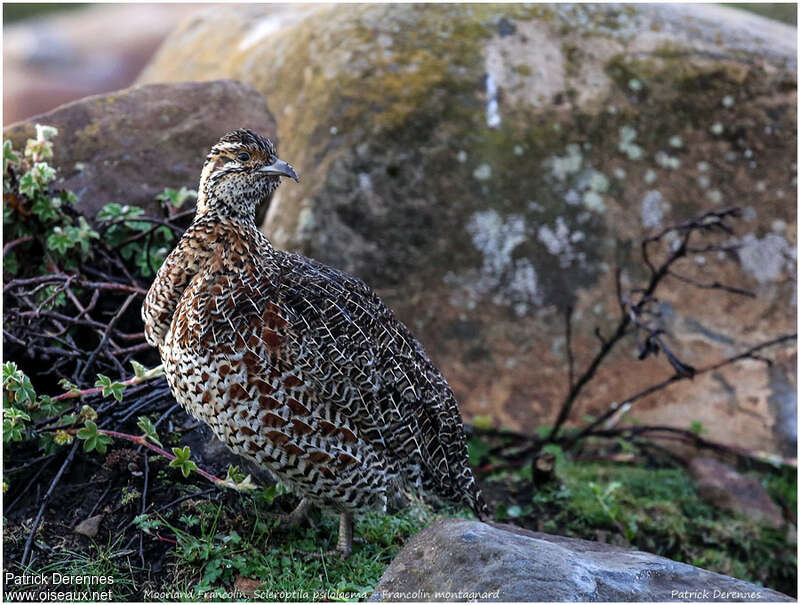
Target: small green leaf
{"type": "Point", "coordinates": [109, 387]}
{"type": "Point", "coordinates": [146, 523]}
{"type": "Point", "coordinates": [697, 427]}
{"type": "Point", "coordinates": [93, 439]}
{"type": "Point", "coordinates": [138, 369]}
{"type": "Point", "coordinates": [87, 413]}
{"type": "Point", "coordinates": [149, 429]}
{"type": "Point", "coordinates": [47, 208]}
{"type": "Point", "coordinates": [68, 386]}
{"type": "Point", "coordinates": [182, 461]}
{"type": "Point", "coordinates": [9, 157]}
{"type": "Point", "coordinates": [234, 475]}
{"type": "Point", "coordinates": [28, 185]}
{"type": "Point", "coordinates": [176, 198]}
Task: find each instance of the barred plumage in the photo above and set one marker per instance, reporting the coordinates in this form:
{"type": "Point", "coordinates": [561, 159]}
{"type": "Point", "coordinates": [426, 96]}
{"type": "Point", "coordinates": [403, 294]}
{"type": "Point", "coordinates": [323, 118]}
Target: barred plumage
{"type": "Point", "coordinates": [294, 364]}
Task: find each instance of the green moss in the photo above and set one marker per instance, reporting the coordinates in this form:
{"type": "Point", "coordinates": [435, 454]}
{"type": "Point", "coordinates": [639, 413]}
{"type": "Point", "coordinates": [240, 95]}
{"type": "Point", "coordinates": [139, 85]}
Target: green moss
{"type": "Point", "coordinates": [213, 551]}
{"type": "Point", "coordinates": [523, 70]}
{"type": "Point", "coordinates": [660, 511]}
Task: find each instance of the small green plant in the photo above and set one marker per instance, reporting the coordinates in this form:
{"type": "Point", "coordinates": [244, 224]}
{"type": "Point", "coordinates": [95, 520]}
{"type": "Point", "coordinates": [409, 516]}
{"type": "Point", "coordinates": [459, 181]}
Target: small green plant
{"type": "Point", "coordinates": [175, 199]}
{"type": "Point", "coordinates": [110, 387]}
{"type": "Point", "coordinates": [92, 438]}
{"type": "Point", "coordinates": [129, 495]}
{"type": "Point", "coordinates": [22, 405]}
{"type": "Point", "coordinates": [149, 429]}
{"type": "Point", "coordinates": [34, 208]}
{"type": "Point", "coordinates": [182, 461]}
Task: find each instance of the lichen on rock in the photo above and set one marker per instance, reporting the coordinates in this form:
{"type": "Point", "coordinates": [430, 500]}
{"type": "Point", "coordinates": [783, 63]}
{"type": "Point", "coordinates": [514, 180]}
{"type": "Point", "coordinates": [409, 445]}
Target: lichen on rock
{"type": "Point", "coordinates": [501, 160]}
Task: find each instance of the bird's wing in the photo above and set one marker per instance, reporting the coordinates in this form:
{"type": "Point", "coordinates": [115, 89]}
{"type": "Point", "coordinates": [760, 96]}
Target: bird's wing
{"type": "Point", "coordinates": [391, 392]}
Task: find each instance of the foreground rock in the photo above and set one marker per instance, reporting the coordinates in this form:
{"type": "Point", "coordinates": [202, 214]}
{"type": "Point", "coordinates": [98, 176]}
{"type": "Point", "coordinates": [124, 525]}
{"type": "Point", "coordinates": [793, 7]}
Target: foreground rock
{"type": "Point", "coordinates": [458, 560]}
{"type": "Point", "coordinates": [486, 166]}
{"type": "Point", "coordinates": [127, 146]}
{"type": "Point", "coordinates": [727, 489]}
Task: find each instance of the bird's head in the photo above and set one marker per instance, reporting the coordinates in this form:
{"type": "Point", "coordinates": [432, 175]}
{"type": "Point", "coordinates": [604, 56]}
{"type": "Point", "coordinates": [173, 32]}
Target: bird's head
{"type": "Point", "coordinates": [241, 171]}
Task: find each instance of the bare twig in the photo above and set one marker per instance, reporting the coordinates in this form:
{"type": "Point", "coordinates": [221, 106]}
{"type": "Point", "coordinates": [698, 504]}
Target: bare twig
{"type": "Point", "coordinates": [713, 285]}
{"type": "Point", "coordinates": [120, 312]}
{"type": "Point", "coordinates": [570, 356]}
{"type": "Point", "coordinates": [67, 462]}
{"type": "Point", "coordinates": [748, 354]}
{"type": "Point", "coordinates": [632, 309]}
{"type": "Point", "coordinates": [16, 242]}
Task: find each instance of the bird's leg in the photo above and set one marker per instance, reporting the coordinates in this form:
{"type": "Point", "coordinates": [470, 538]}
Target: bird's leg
{"type": "Point", "coordinates": [344, 545]}
{"type": "Point", "coordinates": [294, 518]}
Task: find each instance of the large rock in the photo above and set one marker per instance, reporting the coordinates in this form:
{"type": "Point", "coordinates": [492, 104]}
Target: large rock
{"type": "Point", "coordinates": [485, 166]}
{"type": "Point", "coordinates": [727, 489]}
{"type": "Point", "coordinates": [127, 146]}
{"type": "Point", "coordinates": [458, 560]}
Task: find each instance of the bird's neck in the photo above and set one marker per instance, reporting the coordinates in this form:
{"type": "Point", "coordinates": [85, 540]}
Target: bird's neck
{"type": "Point", "coordinates": [211, 206]}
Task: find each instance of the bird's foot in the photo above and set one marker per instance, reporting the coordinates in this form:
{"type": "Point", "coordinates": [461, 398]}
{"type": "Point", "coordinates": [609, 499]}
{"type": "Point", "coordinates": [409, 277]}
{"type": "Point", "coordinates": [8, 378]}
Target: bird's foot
{"type": "Point", "coordinates": [321, 554]}
{"type": "Point", "coordinates": [344, 546]}
{"type": "Point", "coordinates": [294, 518]}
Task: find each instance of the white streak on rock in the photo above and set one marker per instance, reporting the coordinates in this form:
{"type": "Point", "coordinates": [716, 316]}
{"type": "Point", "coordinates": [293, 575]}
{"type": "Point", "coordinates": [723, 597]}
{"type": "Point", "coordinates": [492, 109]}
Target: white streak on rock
{"type": "Point", "coordinates": [492, 106]}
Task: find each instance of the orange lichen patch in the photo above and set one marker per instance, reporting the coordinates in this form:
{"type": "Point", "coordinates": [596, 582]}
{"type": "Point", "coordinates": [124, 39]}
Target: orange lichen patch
{"type": "Point", "coordinates": [277, 437]}
{"type": "Point", "coordinates": [274, 421]}
{"type": "Point", "coordinates": [265, 402]}
{"type": "Point", "coordinates": [345, 459]}
{"type": "Point", "coordinates": [347, 435]}
{"type": "Point", "coordinates": [297, 407]}
{"type": "Point", "coordinates": [238, 392]}
{"type": "Point", "coordinates": [301, 427]}
{"type": "Point", "coordinates": [318, 457]}
{"type": "Point", "coordinates": [293, 450]}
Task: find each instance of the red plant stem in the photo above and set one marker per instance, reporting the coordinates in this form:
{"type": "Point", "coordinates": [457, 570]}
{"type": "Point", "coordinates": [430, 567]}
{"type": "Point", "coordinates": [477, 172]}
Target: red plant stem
{"type": "Point", "coordinates": [72, 394]}
{"type": "Point", "coordinates": [139, 440]}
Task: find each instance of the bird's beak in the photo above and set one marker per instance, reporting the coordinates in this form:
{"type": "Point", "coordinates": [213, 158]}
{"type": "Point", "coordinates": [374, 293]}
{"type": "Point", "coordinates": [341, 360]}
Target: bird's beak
{"type": "Point", "coordinates": [280, 168]}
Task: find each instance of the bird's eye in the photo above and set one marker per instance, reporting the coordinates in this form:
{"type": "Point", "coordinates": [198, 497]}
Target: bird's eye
{"type": "Point", "coordinates": [243, 157]}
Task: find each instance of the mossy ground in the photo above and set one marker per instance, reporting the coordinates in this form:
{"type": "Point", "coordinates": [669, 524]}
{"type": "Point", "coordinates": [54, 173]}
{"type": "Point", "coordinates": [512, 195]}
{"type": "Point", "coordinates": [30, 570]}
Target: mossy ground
{"type": "Point", "coordinates": [227, 546]}
{"type": "Point", "coordinates": [656, 508]}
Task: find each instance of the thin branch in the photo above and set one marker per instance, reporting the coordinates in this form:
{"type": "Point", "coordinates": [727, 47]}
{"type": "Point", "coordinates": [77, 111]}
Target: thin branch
{"type": "Point", "coordinates": [710, 221]}
{"type": "Point", "coordinates": [713, 285]}
{"type": "Point", "coordinates": [67, 462]}
{"type": "Point", "coordinates": [111, 324]}
{"type": "Point", "coordinates": [16, 242]}
{"type": "Point", "coordinates": [570, 355]}
{"type": "Point", "coordinates": [747, 354]}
